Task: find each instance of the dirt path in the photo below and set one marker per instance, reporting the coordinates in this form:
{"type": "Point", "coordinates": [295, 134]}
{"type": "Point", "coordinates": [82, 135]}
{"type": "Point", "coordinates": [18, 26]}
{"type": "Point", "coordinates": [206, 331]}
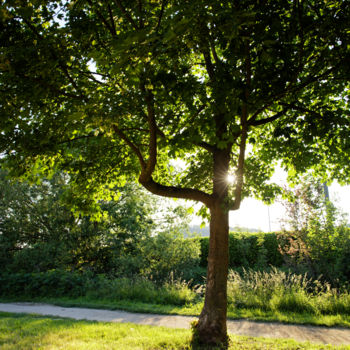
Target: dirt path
{"type": "Point", "coordinates": [314, 334]}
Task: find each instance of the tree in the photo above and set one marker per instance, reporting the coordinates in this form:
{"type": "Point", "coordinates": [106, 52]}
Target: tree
{"type": "Point", "coordinates": [318, 238]}
{"type": "Point", "coordinates": [32, 217]}
{"type": "Point", "coordinates": [115, 90]}
{"type": "Point", "coordinates": [38, 231]}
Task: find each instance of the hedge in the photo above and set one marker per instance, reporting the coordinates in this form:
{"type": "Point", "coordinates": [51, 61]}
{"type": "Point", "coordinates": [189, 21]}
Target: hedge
{"type": "Point", "coordinates": [254, 250]}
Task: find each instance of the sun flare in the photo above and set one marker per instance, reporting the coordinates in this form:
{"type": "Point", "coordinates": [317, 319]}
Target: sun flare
{"type": "Point", "coordinates": [230, 178]}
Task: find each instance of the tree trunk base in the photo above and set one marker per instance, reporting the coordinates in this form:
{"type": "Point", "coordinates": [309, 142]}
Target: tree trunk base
{"type": "Point", "coordinates": [210, 332]}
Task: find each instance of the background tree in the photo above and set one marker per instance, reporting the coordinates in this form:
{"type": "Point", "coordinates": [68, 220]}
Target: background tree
{"type": "Point", "coordinates": [38, 231]}
{"type": "Point", "coordinates": [317, 233]}
{"type": "Point", "coordinates": [113, 90]}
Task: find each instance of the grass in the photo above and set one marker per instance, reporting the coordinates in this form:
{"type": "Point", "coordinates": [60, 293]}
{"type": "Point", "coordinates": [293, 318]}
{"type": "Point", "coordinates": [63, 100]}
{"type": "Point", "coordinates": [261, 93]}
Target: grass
{"type": "Point", "coordinates": [194, 310]}
{"type": "Point", "coordinates": [35, 332]}
{"type": "Point", "coordinates": [263, 296]}
{"type": "Point", "coordinates": [288, 297]}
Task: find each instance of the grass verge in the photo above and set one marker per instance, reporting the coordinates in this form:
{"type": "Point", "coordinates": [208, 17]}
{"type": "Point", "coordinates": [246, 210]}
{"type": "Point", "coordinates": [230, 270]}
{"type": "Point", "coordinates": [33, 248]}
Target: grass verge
{"type": "Point", "coordinates": [193, 310]}
{"type": "Point", "coordinates": [35, 332]}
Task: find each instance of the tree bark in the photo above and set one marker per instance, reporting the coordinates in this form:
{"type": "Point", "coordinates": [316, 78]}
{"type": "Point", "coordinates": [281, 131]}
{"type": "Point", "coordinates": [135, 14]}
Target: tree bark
{"type": "Point", "coordinates": [211, 328]}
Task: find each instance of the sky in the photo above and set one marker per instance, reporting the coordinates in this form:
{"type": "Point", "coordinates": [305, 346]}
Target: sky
{"type": "Point", "coordinates": [254, 214]}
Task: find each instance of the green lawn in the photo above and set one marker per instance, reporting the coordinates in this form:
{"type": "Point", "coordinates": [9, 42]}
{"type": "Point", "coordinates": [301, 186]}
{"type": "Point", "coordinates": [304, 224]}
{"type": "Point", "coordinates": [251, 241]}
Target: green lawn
{"type": "Point", "coordinates": [342, 320]}
{"type": "Point", "coordinates": [35, 332]}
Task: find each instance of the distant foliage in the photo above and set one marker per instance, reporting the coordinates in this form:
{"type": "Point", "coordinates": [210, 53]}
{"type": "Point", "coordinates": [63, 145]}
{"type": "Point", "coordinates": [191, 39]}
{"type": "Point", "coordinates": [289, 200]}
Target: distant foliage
{"type": "Point", "coordinates": [256, 250]}
{"type": "Point", "coordinates": [169, 255]}
{"type": "Point", "coordinates": [318, 240]}
{"type": "Point", "coordinates": [53, 283]}
{"type": "Point", "coordinates": [38, 231]}
{"type": "Point", "coordinates": [58, 283]}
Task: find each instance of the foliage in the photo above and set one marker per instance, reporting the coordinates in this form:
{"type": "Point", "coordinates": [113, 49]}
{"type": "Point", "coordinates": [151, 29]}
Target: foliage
{"type": "Point", "coordinates": [95, 80]}
{"type": "Point", "coordinates": [250, 250]}
{"type": "Point", "coordinates": [169, 254]}
{"type": "Point", "coordinates": [265, 296]}
{"type": "Point", "coordinates": [58, 283]}
{"type": "Point", "coordinates": [320, 239]}
{"type": "Point", "coordinates": [39, 232]}
{"type": "Point", "coordinates": [174, 292]}
{"type": "Point", "coordinates": [110, 92]}
{"type": "Point", "coordinates": [33, 224]}
{"type": "Point", "coordinates": [51, 283]}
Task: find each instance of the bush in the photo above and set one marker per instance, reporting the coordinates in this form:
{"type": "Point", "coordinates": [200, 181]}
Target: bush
{"type": "Point", "coordinates": [72, 284]}
{"type": "Point", "coordinates": [319, 239]}
{"type": "Point", "coordinates": [52, 283]}
{"type": "Point", "coordinates": [248, 250]}
{"type": "Point", "coordinates": [169, 256]}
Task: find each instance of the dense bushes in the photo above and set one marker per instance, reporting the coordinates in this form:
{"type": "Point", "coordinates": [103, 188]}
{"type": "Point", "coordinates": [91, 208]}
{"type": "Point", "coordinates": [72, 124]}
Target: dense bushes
{"type": "Point", "coordinates": [38, 233]}
{"type": "Point", "coordinates": [319, 238]}
{"type": "Point", "coordinates": [167, 255]}
{"type": "Point", "coordinates": [52, 283]}
{"type": "Point", "coordinates": [322, 251]}
{"type": "Point", "coordinates": [255, 250]}
{"type": "Point", "coordinates": [58, 283]}
{"type": "Point", "coordinates": [46, 251]}
{"type": "Point", "coordinates": [275, 290]}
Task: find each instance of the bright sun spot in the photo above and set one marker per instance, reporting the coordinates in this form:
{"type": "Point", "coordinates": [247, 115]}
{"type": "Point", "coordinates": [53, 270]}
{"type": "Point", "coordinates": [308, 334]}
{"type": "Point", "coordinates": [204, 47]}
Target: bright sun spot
{"type": "Point", "coordinates": [230, 178]}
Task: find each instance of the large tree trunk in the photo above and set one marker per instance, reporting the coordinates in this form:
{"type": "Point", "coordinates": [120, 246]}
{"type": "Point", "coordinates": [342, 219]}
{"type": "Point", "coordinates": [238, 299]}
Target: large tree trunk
{"type": "Point", "coordinates": [211, 328]}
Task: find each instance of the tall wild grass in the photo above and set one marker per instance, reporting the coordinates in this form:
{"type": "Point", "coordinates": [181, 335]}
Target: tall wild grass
{"type": "Point", "coordinates": [57, 283]}
{"type": "Point", "coordinates": [174, 292]}
{"type": "Point", "coordinates": [285, 291]}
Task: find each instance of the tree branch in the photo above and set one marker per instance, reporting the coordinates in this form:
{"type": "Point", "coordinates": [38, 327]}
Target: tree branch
{"type": "Point", "coordinates": [176, 192]}
{"type": "Point", "coordinates": [104, 21]}
{"type": "Point", "coordinates": [60, 64]}
{"type": "Point", "coordinates": [160, 15]}
{"type": "Point", "coordinates": [140, 13]}
{"type": "Point", "coordinates": [90, 76]}
{"type": "Point", "coordinates": [213, 49]}
{"type": "Point", "coordinates": [159, 131]}
{"type": "Point", "coordinates": [266, 120]}
{"type": "Point", "coordinates": [152, 147]}
{"type": "Point", "coordinates": [241, 157]}
{"type": "Point", "coordinates": [79, 138]}
{"type": "Point", "coordinates": [300, 108]}
{"type": "Point", "coordinates": [126, 14]}
{"type": "Point", "coordinates": [208, 63]}
{"type": "Point", "coordinates": [52, 88]}
{"type": "Point", "coordinates": [302, 40]}
{"type": "Point", "coordinates": [133, 147]}
{"type": "Point", "coordinates": [114, 32]}
{"type": "Point", "coordinates": [206, 146]}
{"type": "Point", "coordinates": [291, 89]}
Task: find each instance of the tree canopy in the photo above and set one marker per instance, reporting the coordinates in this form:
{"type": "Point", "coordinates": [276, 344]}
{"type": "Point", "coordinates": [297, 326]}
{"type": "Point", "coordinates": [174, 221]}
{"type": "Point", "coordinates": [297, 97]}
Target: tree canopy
{"type": "Point", "coordinates": [113, 90]}
{"type": "Point", "coordinates": [83, 83]}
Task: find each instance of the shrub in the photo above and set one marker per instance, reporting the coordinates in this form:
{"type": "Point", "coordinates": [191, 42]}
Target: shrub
{"type": "Point", "coordinates": [169, 255]}
{"type": "Point", "coordinates": [58, 283]}
{"type": "Point", "coordinates": [248, 250]}
{"type": "Point", "coordinates": [319, 241]}
{"type": "Point", "coordinates": [51, 283]}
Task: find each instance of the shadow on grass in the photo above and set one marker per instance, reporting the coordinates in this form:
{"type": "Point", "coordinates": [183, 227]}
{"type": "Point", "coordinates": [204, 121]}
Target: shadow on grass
{"type": "Point", "coordinates": [18, 331]}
